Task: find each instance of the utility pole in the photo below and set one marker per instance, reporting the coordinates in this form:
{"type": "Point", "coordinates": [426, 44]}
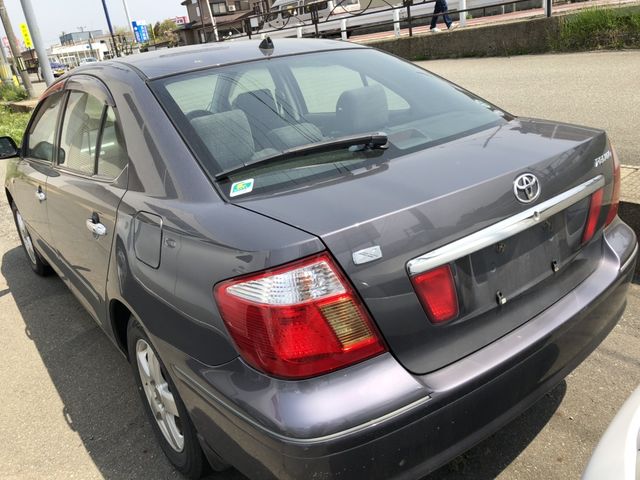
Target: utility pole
{"type": "Point", "coordinates": [5, 70]}
{"type": "Point", "coordinates": [4, 16]}
{"type": "Point", "coordinates": [91, 47]}
{"type": "Point", "coordinates": [126, 12]}
{"type": "Point", "coordinates": [43, 58]}
{"type": "Point", "coordinates": [213, 21]}
{"type": "Point", "coordinates": [113, 38]}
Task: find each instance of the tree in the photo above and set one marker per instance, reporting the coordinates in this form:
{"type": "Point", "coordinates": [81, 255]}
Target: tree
{"type": "Point", "coordinates": [164, 31]}
{"type": "Point", "coordinates": [124, 32]}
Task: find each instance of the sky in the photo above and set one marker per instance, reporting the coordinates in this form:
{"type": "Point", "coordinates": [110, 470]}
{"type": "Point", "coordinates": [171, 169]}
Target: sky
{"type": "Point", "coordinates": [56, 16]}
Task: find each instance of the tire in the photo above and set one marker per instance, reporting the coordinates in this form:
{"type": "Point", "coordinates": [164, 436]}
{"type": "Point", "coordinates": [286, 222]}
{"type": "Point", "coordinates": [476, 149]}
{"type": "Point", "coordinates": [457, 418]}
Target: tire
{"type": "Point", "coordinates": [38, 264]}
{"type": "Point", "coordinates": [160, 399]}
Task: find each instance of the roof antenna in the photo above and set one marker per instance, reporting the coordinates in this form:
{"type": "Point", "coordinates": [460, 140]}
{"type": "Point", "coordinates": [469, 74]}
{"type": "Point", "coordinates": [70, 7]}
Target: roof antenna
{"type": "Point", "coordinates": [266, 46]}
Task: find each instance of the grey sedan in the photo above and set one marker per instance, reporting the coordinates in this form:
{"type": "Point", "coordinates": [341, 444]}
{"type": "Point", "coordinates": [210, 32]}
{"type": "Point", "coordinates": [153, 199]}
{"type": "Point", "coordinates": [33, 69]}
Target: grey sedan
{"type": "Point", "coordinates": [320, 260]}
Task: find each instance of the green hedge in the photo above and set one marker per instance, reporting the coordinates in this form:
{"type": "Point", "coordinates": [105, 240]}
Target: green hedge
{"type": "Point", "coordinates": [598, 28]}
{"type": "Point", "coordinates": [11, 93]}
{"type": "Point", "coordinates": [13, 124]}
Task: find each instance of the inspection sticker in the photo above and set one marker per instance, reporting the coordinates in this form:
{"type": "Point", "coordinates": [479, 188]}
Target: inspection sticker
{"type": "Point", "coordinates": [240, 188]}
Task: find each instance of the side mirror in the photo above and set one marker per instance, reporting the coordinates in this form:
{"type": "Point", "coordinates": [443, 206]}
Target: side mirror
{"type": "Point", "coordinates": [8, 148]}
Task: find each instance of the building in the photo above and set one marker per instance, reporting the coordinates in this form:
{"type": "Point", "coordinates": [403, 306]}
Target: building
{"type": "Point", "coordinates": [79, 37]}
{"type": "Point", "coordinates": [73, 55]}
{"type": "Point", "coordinates": [230, 17]}
{"type": "Point", "coordinates": [78, 46]}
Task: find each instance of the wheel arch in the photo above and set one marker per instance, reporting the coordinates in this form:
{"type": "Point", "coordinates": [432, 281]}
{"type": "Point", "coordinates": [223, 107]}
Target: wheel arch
{"type": "Point", "coordinates": [120, 315]}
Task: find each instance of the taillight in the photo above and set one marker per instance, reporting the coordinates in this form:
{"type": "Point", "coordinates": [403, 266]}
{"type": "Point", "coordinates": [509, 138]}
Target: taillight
{"type": "Point", "coordinates": [594, 214]}
{"type": "Point", "coordinates": [297, 321]}
{"type": "Point", "coordinates": [437, 293]}
{"type": "Point", "coordinates": [615, 194]}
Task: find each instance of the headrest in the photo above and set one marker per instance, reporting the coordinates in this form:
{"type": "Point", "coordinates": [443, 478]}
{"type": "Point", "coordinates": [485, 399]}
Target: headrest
{"type": "Point", "coordinates": [294, 135]}
{"type": "Point", "coordinates": [362, 110]}
{"type": "Point", "coordinates": [256, 100]}
{"type": "Point", "coordinates": [227, 136]}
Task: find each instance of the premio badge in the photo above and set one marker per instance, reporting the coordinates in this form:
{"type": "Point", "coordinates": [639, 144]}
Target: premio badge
{"type": "Point", "coordinates": [240, 188]}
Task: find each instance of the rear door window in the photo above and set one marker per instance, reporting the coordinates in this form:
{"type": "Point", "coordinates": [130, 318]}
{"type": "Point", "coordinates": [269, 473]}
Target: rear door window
{"type": "Point", "coordinates": [41, 136]}
{"type": "Point", "coordinates": [80, 129]}
{"type": "Point", "coordinates": [91, 141]}
{"type": "Point", "coordinates": [112, 157]}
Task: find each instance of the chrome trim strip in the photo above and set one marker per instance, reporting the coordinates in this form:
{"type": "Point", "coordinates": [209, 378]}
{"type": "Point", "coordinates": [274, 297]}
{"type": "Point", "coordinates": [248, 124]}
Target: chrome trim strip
{"type": "Point", "coordinates": [625, 265]}
{"type": "Point", "coordinates": [217, 402]}
{"type": "Point", "coordinates": [503, 229]}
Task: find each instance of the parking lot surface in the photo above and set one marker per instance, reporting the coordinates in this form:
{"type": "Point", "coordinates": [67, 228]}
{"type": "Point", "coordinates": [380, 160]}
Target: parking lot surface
{"type": "Point", "coordinates": [597, 89]}
{"type": "Point", "coordinates": [70, 409]}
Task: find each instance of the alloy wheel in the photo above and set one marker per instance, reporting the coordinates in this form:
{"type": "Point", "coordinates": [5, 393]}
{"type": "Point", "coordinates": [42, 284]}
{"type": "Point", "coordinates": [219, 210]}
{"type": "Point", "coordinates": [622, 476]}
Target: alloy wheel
{"type": "Point", "coordinates": [158, 393]}
{"type": "Point", "coordinates": [26, 238]}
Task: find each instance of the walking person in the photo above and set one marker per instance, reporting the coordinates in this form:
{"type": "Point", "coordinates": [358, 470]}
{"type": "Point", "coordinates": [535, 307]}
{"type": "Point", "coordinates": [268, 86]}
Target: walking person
{"type": "Point", "coordinates": [441, 8]}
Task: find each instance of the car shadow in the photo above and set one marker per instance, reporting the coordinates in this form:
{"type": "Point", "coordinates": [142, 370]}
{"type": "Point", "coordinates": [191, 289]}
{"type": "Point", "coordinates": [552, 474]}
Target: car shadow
{"type": "Point", "coordinates": [94, 381]}
{"type": "Point", "coordinates": [491, 456]}
{"type": "Point", "coordinates": [101, 405]}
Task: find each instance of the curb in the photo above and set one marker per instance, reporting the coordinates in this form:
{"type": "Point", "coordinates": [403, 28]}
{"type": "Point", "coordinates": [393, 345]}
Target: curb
{"type": "Point", "coordinates": [24, 106]}
{"type": "Point", "coordinates": [629, 210]}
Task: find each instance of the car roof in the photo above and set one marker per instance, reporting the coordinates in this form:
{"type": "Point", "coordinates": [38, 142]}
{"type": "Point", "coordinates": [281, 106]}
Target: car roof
{"type": "Point", "coordinates": [161, 63]}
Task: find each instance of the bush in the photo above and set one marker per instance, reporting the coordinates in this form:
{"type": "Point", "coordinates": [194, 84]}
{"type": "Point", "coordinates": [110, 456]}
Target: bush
{"type": "Point", "coordinates": [13, 124]}
{"type": "Point", "coordinates": [11, 93]}
{"type": "Point", "coordinates": [596, 28]}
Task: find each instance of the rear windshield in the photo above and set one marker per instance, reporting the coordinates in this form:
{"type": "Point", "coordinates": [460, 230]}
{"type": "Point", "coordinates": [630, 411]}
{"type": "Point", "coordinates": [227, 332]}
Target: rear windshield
{"type": "Point", "coordinates": [236, 115]}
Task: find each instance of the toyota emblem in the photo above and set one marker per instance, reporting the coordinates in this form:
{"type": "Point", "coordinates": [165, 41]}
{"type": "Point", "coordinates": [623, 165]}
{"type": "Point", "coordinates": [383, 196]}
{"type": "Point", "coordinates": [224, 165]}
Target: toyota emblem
{"type": "Point", "coordinates": [526, 188]}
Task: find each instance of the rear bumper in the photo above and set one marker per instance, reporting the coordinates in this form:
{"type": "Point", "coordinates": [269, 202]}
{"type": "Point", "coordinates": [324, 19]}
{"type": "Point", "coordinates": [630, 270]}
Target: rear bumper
{"type": "Point", "coordinates": [375, 420]}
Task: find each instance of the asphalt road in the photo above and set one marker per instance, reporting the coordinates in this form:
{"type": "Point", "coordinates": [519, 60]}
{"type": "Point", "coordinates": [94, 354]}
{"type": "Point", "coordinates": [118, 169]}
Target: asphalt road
{"type": "Point", "coordinates": [598, 89]}
{"type": "Point", "coordinates": [70, 410]}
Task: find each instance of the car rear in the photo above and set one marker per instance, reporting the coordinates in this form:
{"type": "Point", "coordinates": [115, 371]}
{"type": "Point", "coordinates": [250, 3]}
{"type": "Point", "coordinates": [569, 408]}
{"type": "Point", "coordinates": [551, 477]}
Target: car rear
{"type": "Point", "coordinates": [469, 266]}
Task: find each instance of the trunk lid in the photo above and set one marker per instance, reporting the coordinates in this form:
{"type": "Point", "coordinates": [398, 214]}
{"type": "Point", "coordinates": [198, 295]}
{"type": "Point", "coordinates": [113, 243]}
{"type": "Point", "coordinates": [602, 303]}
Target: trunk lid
{"type": "Point", "coordinates": [420, 202]}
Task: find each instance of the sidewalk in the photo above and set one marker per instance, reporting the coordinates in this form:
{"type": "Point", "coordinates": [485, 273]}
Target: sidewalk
{"type": "Point", "coordinates": [492, 19]}
{"type": "Point", "coordinates": [630, 201]}
{"type": "Point", "coordinates": [630, 191]}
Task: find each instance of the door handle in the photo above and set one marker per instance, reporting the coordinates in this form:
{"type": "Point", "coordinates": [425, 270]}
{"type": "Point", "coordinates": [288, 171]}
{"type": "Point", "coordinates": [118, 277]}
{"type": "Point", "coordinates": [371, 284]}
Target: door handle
{"type": "Point", "coordinates": [98, 229]}
{"type": "Point", "coordinates": [40, 195]}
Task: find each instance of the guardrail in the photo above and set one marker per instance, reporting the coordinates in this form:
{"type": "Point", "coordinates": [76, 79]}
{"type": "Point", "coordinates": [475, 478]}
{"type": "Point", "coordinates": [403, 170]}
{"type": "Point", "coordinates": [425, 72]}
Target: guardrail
{"type": "Point", "coordinates": [345, 23]}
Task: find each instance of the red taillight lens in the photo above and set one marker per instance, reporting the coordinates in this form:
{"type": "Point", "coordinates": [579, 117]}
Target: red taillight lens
{"type": "Point", "coordinates": [297, 321]}
{"type": "Point", "coordinates": [437, 293]}
{"type": "Point", "coordinates": [615, 195]}
{"type": "Point", "coordinates": [594, 214]}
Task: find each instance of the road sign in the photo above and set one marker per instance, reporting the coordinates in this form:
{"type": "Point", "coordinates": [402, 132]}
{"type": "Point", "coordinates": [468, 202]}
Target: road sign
{"type": "Point", "coordinates": [140, 30]}
{"type": "Point", "coordinates": [144, 33]}
{"type": "Point", "coordinates": [136, 32]}
{"type": "Point", "coordinates": [26, 36]}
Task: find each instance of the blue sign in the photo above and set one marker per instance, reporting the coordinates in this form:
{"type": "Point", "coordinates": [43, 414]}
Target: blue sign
{"type": "Point", "coordinates": [141, 32]}
{"type": "Point", "coordinates": [136, 31]}
{"type": "Point", "coordinates": [144, 33]}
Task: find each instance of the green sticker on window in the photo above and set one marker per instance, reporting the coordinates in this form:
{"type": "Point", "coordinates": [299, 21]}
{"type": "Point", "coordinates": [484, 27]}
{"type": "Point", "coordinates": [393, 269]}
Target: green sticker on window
{"type": "Point", "coordinates": [240, 188]}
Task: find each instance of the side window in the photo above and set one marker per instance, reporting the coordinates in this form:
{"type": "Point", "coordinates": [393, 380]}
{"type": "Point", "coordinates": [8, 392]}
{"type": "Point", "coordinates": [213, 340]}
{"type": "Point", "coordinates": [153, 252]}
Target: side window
{"type": "Point", "coordinates": [80, 128]}
{"type": "Point", "coordinates": [252, 80]}
{"type": "Point", "coordinates": [194, 94]}
{"type": "Point", "coordinates": [322, 86]}
{"type": "Point", "coordinates": [394, 101]}
{"type": "Point", "coordinates": [42, 133]}
{"type": "Point", "coordinates": [112, 157]}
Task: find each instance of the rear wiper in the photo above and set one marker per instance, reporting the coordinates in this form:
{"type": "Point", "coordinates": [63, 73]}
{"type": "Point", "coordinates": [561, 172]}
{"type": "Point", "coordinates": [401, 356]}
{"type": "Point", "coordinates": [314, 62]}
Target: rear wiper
{"type": "Point", "coordinates": [369, 141]}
